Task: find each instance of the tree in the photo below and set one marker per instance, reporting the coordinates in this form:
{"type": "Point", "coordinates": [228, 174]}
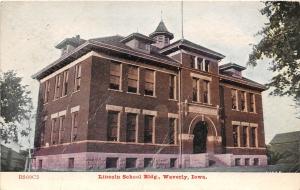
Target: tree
{"type": "Point", "coordinates": [281, 44]}
{"type": "Point", "coordinates": [15, 106]}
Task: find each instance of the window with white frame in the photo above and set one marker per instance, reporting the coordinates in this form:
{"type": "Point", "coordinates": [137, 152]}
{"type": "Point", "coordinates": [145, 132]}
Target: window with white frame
{"type": "Point", "coordinates": [61, 129]}
{"type": "Point", "coordinates": [199, 63]}
{"type": "Point", "coordinates": [131, 125]}
{"type": "Point", "coordinates": [253, 137]}
{"type": "Point", "coordinates": [54, 131]}
{"type": "Point", "coordinates": [245, 136]}
{"type": "Point", "coordinates": [74, 132]}
{"type": "Point", "coordinates": [172, 131]}
{"type": "Point", "coordinates": [115, 76]}
{"type": "Point", "coordinates": [235, 135]}
{"type": "Point", "coordinates": [77, 79]}
{"type": "Point", "coordinates": [234, 99]}
{"type": "Point", "coordinates": [57, 86]}
{"type": "Point", "coordinates": [133, 78]}
{"type": "Point", "coordinates": [46, 91]}
{"type": "Point", "coordinates": [206, 91]}
{"type": "Point", "coordinates": [193, 62]}
{"type": "Point", "coordinates": [65, 83]}
{"type": "Point", "coordinates": [206, 66]}
{"type": "Point", "coordinates": [252, 102]}
{"type": "Point", "coordinates": [112, 125]}
{"type": "Point", "coordinates": [148, 128]}
{"type": "Point", "coordinates": [196, 89]}
{"type": "Point", "coordinates": [172, 87]}
{"type": "Point", "coordinates": [149, 82]}
{"type": "Point", "coordinates": [242, 101]}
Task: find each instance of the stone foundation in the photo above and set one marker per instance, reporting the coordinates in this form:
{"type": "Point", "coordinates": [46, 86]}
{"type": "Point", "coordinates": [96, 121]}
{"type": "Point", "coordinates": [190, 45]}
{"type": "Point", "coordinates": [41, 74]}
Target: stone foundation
{"type": "Point", "coordinates": [95, 160]}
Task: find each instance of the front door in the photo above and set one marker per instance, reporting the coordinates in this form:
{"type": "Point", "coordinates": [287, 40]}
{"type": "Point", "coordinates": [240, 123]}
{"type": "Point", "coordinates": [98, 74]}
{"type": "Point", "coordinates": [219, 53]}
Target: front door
{"type": "Point", "coordinates": [200, 136]}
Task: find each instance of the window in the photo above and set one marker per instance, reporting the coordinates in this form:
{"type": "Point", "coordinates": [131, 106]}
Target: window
{"type": "Point", "coordinates": [131, 127]}
{"type": "Point", "coordinates": [61, 129]}
{"type": "Point", "coordinates": [149, 83]}
{"type": "Point", "coordinates": [205, 91]}
{"type": "Point", "coordinates": [173, 162]}
{"type": "Point", "coordinates": [253, 137]}
{"type": "Point", "coordinates": [74, 126]}
{"type": "Point", "coordinates": [193, 63]}
{"type": "Point", "coordinates": [111, 162]}
{"type": "Point", "coordinates": [234, 99]}
{"type": "Point", "coordinates": [65, 83]}
{"type": "Point", "coordinates": [196, 88]}
{"type": "Point", "coordinates": [148, 129]}
{"type": "Point", "coordinates": [54, 136]}
{"type": "Point", "coordinates": [148, 162]}
{"type": "Point", "coordinates": [115, 76]}
{"type": "Point", "coordinates": [112, 126]}
{"type": "Point", "coordinates": [255, 161]}
{"type": "Point", "coordinates": [172, 129]}
{"type": "Point", "coordinates": [166, 41]}
{"type": "Point", "coordinates": [235, 135]}
{"type": "Point", "coordinates": [132, 79]}
{"type": "Point", "coordinates": [57, 87]}
{"type": "Point", "coordinates": [160, 38]}
{"type": "Point", "coordinates": [130, 162]}
{"type": "Point", "coordinates": [40, 166]}
{"type": "Point", "coordinates": [247, 161]}
{"type": "Point", "coordinates": [206, 66]}
{"type": "Point", "coordinates": [199, 63]}
{"type": "Point", "coordinates": [245, 136]}
{"type": "Point", "coordinates": [242, 101]}
{"type": "Point", "coordinates": [252, 102]}
{"type": "Point", "coordinates": [172, 91]}
{"type": "Point", "coordinates": [237, 161]}
{"type": "Point", "coordinates": [42, 133]}
{"type": "Point", "coordinates": [77, 77]}
{"type": "Point", "coordinates": [143, 46]}
{"type": "Point", "coordinates": [71, 163]}
{"type": "Point", "coordinates": [46, 91]}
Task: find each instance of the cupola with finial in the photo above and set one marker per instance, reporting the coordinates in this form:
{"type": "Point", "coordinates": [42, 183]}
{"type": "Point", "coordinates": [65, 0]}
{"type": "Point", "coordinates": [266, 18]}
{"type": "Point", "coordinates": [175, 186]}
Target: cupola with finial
{"type": "Point", "coordinates": [161, 35]}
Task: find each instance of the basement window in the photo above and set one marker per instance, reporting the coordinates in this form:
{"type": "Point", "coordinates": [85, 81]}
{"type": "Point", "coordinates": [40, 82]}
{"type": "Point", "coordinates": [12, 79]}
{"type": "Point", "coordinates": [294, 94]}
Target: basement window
{"type": "Point", "coordinates": [173, 162]}
{"type": "Point", "coordinates": [130, 162]}
{"type": "Point", "coordinates": [255, 161]}
{"type": "Point", "coordinates": [111, 162]}
{"type": "Point", "coordinates": [237, 161]}
{"type": "Point", "coordinates": [148, 162]}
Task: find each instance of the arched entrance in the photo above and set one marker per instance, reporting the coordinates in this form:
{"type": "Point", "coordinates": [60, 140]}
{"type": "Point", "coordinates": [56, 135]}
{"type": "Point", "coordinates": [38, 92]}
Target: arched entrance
{"type": "Point", "coordinates": [200, 137]}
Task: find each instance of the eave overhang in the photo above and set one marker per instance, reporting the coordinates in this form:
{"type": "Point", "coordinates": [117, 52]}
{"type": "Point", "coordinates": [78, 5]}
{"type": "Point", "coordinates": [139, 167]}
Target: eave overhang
{"type": "Point", "coordinates": [91, 45]}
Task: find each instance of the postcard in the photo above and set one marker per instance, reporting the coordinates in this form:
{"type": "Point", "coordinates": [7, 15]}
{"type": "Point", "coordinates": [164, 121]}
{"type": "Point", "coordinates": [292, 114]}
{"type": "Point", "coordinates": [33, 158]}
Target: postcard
{"type": "Point", "coordinates": [150, 95]}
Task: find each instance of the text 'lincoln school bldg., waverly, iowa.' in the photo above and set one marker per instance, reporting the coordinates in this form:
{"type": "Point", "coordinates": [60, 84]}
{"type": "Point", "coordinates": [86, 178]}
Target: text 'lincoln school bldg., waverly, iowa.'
{"type": "Point", "coordinates": [141, 101]}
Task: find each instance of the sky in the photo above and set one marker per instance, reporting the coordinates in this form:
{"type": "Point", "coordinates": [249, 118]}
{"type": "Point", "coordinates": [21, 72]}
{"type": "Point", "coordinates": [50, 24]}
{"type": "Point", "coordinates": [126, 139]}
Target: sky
{"type": "Point", "coordinates": [30, 30]}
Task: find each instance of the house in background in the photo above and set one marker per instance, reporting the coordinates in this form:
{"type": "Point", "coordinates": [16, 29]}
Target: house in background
{"type": "Point", "coordinates": [144, 101]}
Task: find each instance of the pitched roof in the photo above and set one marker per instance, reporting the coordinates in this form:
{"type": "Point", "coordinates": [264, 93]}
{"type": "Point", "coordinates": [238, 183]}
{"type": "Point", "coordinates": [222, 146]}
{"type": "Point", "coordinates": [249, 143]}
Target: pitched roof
{"type": "Point", "coordinates": [286, 137]}
{"type": "Point", "coordinates": [162, 29]}
{"type": "Point", "coordinates": [243, 81]}
{"type": "Point", "coordinates": [190, 45]}
{"type": "Point", "coordinates": [138, 36]}
{"type": "Point", "coordinates": [112, 43]}
{"type": "Point", "coordinates": [117, 42]}
{"type": "Point", "coordinates": [232, 65]}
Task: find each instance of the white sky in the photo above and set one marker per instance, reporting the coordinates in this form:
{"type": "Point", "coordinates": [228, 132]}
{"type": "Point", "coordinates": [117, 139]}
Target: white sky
{"type": "Point", "coordinates": [30, 30]}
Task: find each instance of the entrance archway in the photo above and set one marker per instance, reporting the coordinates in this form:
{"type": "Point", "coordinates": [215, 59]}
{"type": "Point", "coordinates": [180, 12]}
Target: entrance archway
{"type": "Point", "coordinates": [200, 137]}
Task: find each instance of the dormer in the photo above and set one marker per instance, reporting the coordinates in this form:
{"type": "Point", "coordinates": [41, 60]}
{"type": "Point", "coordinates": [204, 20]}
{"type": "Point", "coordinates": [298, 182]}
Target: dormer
{"type": "Point", "coordinates": [232, 69]}
{"type": "Point", "coordinates": [138, 42]}
{"type": "Point", "coordinates": [161, 35]}
{"type": "Point", "coordinates": [68, 44]}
